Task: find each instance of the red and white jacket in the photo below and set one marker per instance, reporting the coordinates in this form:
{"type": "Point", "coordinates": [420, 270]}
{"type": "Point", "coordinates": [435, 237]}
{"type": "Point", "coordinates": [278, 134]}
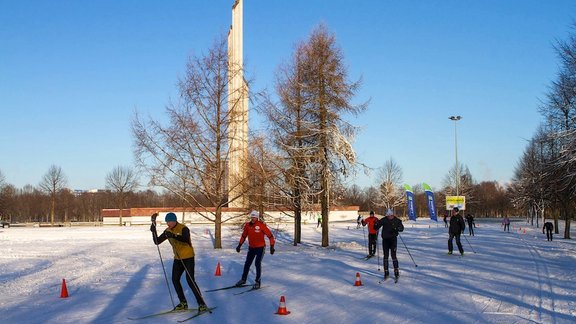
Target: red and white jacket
{"type": "Point", "coordinates": [255, 233]}
{"type": "Point", "coordinates": [370, 221]}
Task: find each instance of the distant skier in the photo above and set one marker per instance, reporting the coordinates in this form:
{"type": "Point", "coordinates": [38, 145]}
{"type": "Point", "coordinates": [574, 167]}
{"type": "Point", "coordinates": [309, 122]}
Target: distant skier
{"type": "Point", "coordinates": [319, 220]}
{"type": "Point", "coordinates": [506, 223]}
{"type": "Point", "coordinates": [391, 226]}
{"type": "Point", "coordinates": [372, 234]}
{"type": "Point", "coordinates": [254, 231]}
{"type": "Point", "coordinates": [178, 235]}
{"type": "Point", "coordinates": [358, 221]}
{"type": "Point", "coordinates": [456, 228]}
{"type": "Point", "coordinates": [470, 220]}
{"type": "Point", "coordinates": [549, 227]}
{"type": "Point", "coordinates": [446, 219]}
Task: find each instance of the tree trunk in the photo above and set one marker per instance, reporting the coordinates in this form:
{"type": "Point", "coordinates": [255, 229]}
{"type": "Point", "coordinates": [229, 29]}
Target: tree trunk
{"type": "Point", "coordinates": [52, 208]}
{"type": "Point", "coordinates": [324, 201]}
{"type": "Point", "coordinates": [218, 229]}
{"type": "Point", "coordinates": [567, 228]}
{"type": "Point", "coordinates": [297, 226]}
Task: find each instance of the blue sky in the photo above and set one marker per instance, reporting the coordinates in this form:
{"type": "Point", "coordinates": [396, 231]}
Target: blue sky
{"type": "Point", "coordinates": [73, 72]}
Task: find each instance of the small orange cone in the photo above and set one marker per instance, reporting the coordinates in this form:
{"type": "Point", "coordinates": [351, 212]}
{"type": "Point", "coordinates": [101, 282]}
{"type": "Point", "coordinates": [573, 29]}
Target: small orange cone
{"type": "Point", "coordinates": [358, 281]}
{"type": "Point", "coordinates": [218, 273]}
{"type": "Point", "coordinates": [282, 308]}
{"type": "Point", "coordinates": [64, 293]}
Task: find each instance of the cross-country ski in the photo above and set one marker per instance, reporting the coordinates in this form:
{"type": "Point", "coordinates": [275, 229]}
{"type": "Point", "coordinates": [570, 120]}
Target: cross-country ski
{"type": "Point", "coordinates": [227, 287]}
{"type": "Point", "coordinates": [207, 311]}
{"type": "Point", "coordinates": [168, 312]}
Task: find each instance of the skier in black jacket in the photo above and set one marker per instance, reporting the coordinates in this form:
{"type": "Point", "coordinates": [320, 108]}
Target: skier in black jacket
{"type": "Point", "coordinates": [549, 227]}
{"type": "Point", "coordinates": [391, 226]}
{"type": "Point", "coordinates": [470, 221]}
{"type": "Point", "coordinates": [456, 228]}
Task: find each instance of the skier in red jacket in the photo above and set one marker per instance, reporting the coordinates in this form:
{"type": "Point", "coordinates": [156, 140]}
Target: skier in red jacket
{"type": "Point", "coordinates": [254, 230]}
{"type": "Point", "coordinates": [372, 234]}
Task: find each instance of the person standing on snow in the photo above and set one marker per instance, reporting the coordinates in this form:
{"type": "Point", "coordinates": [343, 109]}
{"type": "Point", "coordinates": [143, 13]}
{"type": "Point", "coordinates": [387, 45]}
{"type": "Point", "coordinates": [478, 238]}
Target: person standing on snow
{"type": "Point", "coordinates": [178, 235]}
{"type": "Point", "coordinates": [254, 231]}
{"type": "Point", "coordinates": [358, 221]}
{"type": "Point", "coordinates": [456, 228]}
{"type": "Point", "coordinates": [446, 219]}
{"type": "Point", "coordinates": [470, 221]}
{"type": "Point", "coordinates": [506, 223]}
{"type": "Point", "coordinates": [549, 227]}
{"type": "Point", "coordinates": [372, 234]}
{"type": "Point", "coordinates": [391, 226]}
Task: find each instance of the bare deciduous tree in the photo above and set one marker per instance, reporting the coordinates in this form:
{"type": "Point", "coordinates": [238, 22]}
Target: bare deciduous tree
{"type": "Point", "coordinates": [52, 182]}
{"type": "Point", "coordinates": [121, 180]}
{"type": "Point", "coordinates": [465, 183]}
{"type": "Point", "coordinates": [189, 156]}
{"type": "Point", "coordinates": [390, 190]}
{"type": "Point", "coordinates": [327, 94]}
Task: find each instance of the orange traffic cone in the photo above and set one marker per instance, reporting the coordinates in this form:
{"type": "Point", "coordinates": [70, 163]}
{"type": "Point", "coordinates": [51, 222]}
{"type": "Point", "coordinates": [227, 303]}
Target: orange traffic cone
{"type": "Point", "coordinates": [218, 273]}
{"type": "Point", "coordinates": [64, 293]}
{"type": "Point", "coordinates": [358, 281]}
{"type": "Point", "coordinates": [282, 308]}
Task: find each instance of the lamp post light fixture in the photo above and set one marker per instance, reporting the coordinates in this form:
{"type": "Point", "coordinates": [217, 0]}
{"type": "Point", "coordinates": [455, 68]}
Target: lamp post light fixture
{"type": "Point", "coordinates": [456, 119]}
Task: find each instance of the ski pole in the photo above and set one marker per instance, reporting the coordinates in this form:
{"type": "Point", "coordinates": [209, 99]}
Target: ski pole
{"type": "Point", "coordinates": [190, 276]}
{"type": "Point", "coordinates": [160, 254]}
{"type": "Point", "coordinates": [365, 244]}
{"type": "Point", "coordinates": [469, 243]}
{"type": "Point", "coordinates": [407, 250]}
{"type": "Point", "coordinates": [378, 252]}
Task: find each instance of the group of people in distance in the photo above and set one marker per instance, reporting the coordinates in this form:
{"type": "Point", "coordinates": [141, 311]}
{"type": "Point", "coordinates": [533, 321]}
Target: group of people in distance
{"type": "Point", "coordinates": [548, 227]}
{"type": "Point", "coordinates": [255, 231]}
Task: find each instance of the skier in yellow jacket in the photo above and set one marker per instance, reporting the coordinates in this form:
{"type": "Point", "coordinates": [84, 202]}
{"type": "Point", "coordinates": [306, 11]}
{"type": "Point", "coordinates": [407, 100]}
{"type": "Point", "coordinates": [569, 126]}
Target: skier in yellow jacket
{"type": "Point", "coordinates": [178, 235]}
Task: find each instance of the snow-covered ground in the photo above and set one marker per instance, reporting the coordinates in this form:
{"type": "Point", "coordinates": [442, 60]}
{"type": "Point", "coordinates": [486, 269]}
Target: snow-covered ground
{"type": "Point", "coordinates": [114, 273]}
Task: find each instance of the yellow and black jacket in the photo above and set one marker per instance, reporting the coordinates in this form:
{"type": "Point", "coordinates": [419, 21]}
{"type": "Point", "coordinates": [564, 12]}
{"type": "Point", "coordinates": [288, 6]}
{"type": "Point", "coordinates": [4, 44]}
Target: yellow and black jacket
{"type": "Point", "coordinates": [179, 238]}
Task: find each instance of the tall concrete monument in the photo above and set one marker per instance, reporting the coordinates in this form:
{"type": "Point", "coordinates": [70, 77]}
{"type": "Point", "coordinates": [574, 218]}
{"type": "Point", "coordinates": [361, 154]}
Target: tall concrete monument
{"type": "Point", "coordinates": [237, 110]}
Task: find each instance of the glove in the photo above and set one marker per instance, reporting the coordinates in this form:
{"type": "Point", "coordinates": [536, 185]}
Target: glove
{"type": "Point", "coordinates": [272, 249]}
{"type": "Point", "coordinates": [238, 248]}
{"type": "Point", "coordinates": [153, 228]}
{"type": "Point", "coordinates": [169, 234]}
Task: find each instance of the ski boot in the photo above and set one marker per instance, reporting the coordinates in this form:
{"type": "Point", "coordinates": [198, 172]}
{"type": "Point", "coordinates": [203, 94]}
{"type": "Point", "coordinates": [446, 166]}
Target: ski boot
{"type": "Point", "coordinates": [183, 305]}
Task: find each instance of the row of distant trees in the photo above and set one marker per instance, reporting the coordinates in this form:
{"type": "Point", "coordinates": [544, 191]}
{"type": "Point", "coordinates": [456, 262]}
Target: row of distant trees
{"type": "Point", "coordinates": [52, 202]}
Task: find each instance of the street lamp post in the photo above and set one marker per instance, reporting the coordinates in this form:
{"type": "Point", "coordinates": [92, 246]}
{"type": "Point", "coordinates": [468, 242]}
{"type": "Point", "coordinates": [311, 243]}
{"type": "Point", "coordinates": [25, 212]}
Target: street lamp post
{"type": "Point", "coordinates": [456, 119]}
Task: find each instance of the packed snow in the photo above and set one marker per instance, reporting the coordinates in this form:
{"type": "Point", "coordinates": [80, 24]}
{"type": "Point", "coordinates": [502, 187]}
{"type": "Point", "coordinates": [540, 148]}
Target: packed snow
{"type": "Point", "coordinates": [113, 274]}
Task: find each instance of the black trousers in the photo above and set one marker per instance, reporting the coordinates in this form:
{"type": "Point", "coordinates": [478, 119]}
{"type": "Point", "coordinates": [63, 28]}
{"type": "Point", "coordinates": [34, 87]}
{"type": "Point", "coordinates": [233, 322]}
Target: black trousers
{"type": "Point", "coordinates": [450, 246]}
{"type": "Point", "coordinates": [549, 235]}
{"type": "Point", "coordinates": [178, 268]}
{"type": "Point", "coordinates": [470, 229]}
{"type": "Point", "coordinates": [389, 246]}
{"type": "Point", "coordinates": [253, 253]}
{"type": "Point", "coordinates": [372, 239]}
